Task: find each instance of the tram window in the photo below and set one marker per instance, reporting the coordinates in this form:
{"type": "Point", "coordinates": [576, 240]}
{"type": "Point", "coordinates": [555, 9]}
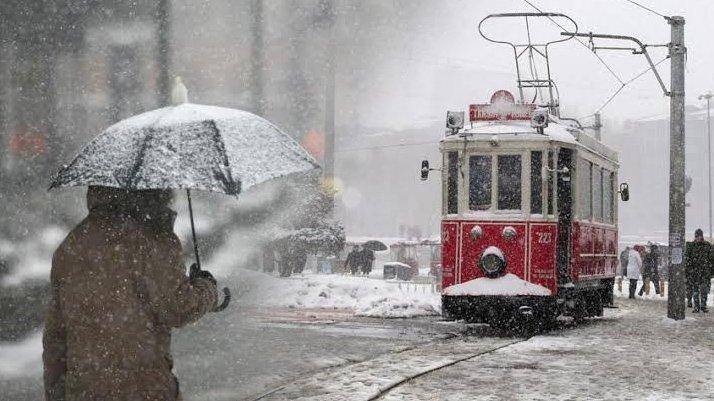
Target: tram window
{"type": "Point", "coordinates": [597, 193]}
{"type": "Point", "coordinates": [584, 189]}
{"type": "Point", "coordinates": [509, 182]}
{"type": "Point", "coordinates": [608, 180]}
{"type": "Point", "coordinates": [480, 182]}
{"type": "Point", "coordinates": [536, 182]}
{"type": "Point", "coordinates": [452, 184]}
{"type": "Point", "coordinates": [551, 164]}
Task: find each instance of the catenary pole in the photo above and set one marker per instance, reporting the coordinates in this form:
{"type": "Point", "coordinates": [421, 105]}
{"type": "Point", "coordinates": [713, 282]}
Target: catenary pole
{"type": "Point", "coordinates": [708, 96]}
{"type": "Point", "coordinates": [677, 52]}
{"type": "Point", "coordinates": [709, 159]}
{"type": "Point", "coordinates": [329, 155]}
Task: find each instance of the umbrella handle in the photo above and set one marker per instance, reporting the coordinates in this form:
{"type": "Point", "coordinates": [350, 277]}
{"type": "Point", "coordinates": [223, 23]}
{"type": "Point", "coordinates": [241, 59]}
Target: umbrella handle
{"type": "Point", "coordinates": [226, 300]}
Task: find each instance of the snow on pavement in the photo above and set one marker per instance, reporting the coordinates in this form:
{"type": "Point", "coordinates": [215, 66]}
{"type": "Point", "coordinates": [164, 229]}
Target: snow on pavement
{"type": "Point", "coordinates": [364, 295]}
{"type": "Point", "coordinates": [364, 380]}
{"type": "Point", "coordinates": [633, 353]}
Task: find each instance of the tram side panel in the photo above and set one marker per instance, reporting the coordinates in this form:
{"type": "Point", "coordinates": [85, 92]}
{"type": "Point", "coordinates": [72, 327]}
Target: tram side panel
{"type": "Point", "coordinates": [594, 251]}
{"type": "Point", "coordinates": [542, 249]}
{"type": "Point", "coordinates": [449, 252]}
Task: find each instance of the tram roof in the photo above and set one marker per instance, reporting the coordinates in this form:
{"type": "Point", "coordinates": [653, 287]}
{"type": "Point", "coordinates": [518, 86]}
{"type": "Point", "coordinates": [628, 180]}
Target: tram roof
{"type": "Point", "coordinates": [521, 130]}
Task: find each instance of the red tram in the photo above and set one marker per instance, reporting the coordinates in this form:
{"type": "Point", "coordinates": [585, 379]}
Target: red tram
{"type": "Point", "coordinates": [529, 226]}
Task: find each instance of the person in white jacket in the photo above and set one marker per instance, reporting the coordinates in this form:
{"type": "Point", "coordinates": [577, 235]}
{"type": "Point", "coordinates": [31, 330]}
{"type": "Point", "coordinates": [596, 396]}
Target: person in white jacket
{"type": "Point", "coordinates": [634, 267]}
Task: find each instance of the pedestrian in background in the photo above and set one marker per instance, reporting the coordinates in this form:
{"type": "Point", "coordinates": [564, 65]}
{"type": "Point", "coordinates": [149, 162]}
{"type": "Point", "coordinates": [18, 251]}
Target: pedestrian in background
{"type": "Point", "coordinates": [353, 260]}
{"type": "Point", "coordinates": [698, 265]}
{"type": "Point", "coordinates": [622, 272]}
{"type": "Point", "coordinates": [367, 261]}
{"type": "Point", "coordinates": [634, 267]}
{"type": "Point", "coordinates": [650, 272]}
{"type": "Point", "coordinates": [623, 261]}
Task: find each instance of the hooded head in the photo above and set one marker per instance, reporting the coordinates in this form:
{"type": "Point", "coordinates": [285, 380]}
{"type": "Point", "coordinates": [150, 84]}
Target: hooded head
{"type": "Point", "coordinates": [699, 235]}
{"type": "Point", "coordinates": [150, 206]}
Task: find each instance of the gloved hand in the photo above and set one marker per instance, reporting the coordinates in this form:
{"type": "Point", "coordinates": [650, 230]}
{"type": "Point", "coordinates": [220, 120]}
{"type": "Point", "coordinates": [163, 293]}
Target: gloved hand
{"type": "Point", "coordinates": [196, 272]}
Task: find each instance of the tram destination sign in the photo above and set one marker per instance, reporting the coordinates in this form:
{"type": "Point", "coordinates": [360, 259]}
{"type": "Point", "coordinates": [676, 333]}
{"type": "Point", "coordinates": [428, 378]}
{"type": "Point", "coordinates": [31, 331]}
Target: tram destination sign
{"type": "Point", "coordinates": [501, 111]}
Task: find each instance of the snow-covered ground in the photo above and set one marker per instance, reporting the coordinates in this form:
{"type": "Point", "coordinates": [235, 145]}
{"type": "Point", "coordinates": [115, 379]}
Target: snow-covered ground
{"type": "Point", "coordinates": [623, 292]}
{"type": "Point", "coordinates": [633, 353]}
{"type": "Point", "coordinates": [366, 296]}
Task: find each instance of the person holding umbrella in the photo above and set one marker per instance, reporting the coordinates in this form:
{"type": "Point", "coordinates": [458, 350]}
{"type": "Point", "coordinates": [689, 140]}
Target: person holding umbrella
{"type": "Point", "coordinates": [118, 288]}
{"type": "Point", "coordinates": [118, 281]}
{"type": "Point", "coordinates": [367, 255]}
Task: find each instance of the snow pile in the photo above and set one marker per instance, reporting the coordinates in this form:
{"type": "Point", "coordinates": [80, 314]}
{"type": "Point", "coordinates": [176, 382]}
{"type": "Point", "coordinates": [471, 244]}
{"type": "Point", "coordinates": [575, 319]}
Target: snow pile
{"type": "Point", "coordinates": [363, 295]}
{"type": "Point", "coordinates": [509, 285]}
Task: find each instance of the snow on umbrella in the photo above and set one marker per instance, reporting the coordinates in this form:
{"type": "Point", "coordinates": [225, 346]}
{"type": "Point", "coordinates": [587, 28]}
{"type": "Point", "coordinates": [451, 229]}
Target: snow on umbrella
{"type": "Point", "coordinates": [187, 146]}
{"type": "Point", "coordinates": [374, 245]}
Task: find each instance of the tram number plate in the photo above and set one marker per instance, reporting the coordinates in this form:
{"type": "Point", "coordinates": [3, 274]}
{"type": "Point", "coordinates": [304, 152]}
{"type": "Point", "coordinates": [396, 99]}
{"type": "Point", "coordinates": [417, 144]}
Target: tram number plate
{"type": "Point", "coordinates": [545, 238]}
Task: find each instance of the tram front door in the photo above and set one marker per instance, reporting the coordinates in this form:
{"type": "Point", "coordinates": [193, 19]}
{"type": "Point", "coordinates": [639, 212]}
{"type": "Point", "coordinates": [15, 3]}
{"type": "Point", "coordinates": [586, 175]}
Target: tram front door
{"type": "Point", "coordinates": [565, 214]}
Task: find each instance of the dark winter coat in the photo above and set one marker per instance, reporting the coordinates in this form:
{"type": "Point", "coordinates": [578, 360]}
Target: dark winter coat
{"type": "Point", "coordinates": [649, 264]}
{"type": "Point", "coordinates": [353, 259]}
{"type": "Point", "coordinates": [118, 287]}
{"type": "Point", "coordinates": [698, 261]}
{"type": "Point", "coordinates": [366, 259]}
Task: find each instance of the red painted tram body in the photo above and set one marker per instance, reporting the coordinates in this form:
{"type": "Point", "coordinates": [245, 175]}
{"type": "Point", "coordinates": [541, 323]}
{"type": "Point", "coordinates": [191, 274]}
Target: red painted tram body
{"type": "Point", "coordinates": [529, 219]}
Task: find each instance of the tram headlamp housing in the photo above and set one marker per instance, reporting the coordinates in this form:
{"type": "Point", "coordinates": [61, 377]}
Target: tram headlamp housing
{"type": "Point", "coordinates": [492, 262]}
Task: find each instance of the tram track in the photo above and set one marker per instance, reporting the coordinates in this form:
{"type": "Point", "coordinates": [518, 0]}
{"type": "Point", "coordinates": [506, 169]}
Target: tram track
{"type": "Point", "coordinates": [383, 392]}
{"type": "Point", "coordinates": [373, 378]}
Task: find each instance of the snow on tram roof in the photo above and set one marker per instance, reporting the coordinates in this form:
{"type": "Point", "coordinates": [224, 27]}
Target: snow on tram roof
{"type": "Point", "coordinates": [522, 130]}
{"type": "Point", "coordinates": [554, 131]}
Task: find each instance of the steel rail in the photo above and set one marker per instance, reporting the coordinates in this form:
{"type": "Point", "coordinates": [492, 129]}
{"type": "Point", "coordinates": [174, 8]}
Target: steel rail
{"type": "Point", "coordinates": [382, 392]}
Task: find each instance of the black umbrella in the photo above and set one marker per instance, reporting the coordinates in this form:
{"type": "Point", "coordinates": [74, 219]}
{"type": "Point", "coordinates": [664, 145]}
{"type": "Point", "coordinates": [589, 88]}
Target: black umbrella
{"type": "Point", "coordinates": [187, 146]}
{"type": "Point", "coordinates": [374, 245]}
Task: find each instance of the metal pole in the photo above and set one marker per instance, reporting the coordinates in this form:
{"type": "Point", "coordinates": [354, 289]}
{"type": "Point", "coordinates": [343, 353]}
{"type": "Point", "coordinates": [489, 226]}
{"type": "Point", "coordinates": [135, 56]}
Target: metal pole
{"type": "Point", "coordinates": [677, 51]}
{"type": "Point", "coordinates": [329, 160]}
{"type": "Point", "coordinates": [708, 96]}
{"type": "Point", "coordinates": [163, 55]}
{"type": "Point", "coordinates": [257, 57]}
{"type": "Point", "coordinates": [597, 126]}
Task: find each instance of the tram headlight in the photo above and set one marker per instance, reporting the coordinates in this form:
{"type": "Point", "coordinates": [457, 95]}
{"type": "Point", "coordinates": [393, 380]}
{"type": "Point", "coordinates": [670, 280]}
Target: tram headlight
{"type": "Point", "coordinates": [492, 262]}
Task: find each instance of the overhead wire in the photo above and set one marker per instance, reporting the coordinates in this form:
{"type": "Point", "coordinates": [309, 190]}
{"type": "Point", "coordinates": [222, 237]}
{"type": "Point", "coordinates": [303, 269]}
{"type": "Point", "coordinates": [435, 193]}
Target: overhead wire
{"type": "Point", "coordinates": [602, 61]}
{"type": "Point", "coordinates": [623, 84]}
{"type": "Point", "coordinates": [633, 79]}
{"type": "Point", "coordinates": [376, 147]}
{"type": "Point", "coordinates": [645, 8]}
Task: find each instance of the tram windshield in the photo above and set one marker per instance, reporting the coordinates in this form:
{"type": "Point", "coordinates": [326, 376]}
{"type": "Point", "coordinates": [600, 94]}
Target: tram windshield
{"type": "Point", "coordinates": [499, 182]}
{"type": "Point", "coordinates": [508, 171]}
{"type": "Point", "coordinates": [480, 182]}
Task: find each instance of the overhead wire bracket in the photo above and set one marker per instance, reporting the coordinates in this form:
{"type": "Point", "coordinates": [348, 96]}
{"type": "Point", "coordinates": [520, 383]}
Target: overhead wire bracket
{"type": "Point", "coordinates": [642, 50]}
